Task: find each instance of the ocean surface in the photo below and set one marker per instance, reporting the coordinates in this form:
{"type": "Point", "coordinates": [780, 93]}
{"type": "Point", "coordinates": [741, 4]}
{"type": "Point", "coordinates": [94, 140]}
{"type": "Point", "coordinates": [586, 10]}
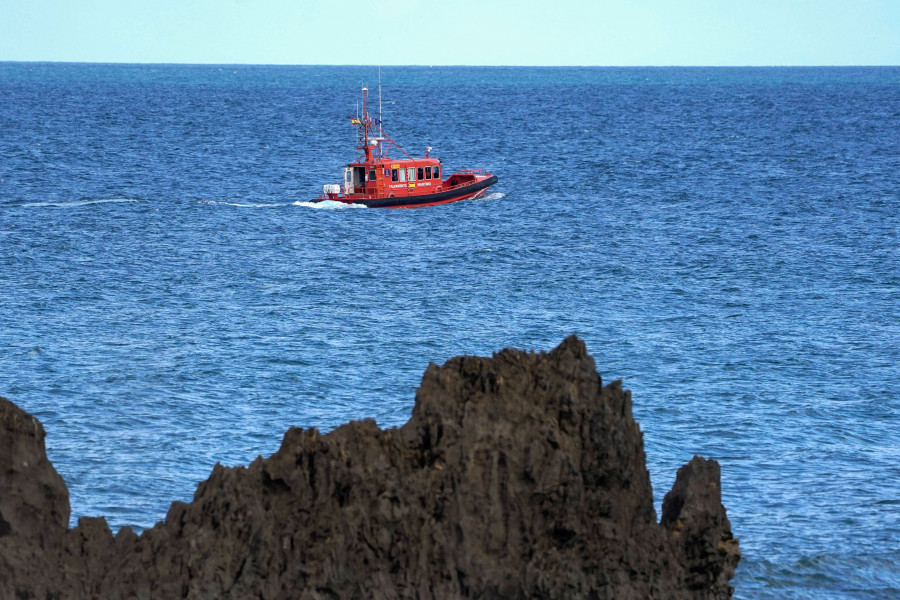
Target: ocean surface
{"type": "Point", "coordinates": [726, 241]}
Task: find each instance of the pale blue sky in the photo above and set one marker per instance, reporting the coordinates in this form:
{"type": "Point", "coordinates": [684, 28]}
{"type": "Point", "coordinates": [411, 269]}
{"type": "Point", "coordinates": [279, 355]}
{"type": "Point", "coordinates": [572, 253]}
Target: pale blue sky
{"type": "Point", "coordinates": [464, 32]}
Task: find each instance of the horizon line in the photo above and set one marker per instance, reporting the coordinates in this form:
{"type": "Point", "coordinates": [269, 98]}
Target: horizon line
{"type": "Point", "coordinates": [506, 66]}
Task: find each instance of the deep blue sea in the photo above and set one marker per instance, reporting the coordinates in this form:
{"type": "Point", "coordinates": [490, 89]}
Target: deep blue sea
{"type": "Point", "coordinates": [727, 242]}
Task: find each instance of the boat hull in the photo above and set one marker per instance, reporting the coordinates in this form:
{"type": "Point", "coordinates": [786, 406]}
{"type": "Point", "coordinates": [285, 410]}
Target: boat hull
{"type": "Point", "coordinates": [466, 192]}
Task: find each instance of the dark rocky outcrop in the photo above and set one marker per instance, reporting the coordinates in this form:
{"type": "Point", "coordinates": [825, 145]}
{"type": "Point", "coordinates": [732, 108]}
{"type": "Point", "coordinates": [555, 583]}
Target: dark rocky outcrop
{"type": "Point", "coordinates": [517, 476]}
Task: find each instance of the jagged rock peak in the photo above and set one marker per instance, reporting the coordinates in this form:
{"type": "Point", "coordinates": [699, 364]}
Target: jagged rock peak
{"type": "Point", "coordinates": [517, 476]}
{"type": "Point", "coordinates": [34, 500]}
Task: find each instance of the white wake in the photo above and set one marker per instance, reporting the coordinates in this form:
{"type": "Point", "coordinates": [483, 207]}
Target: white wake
{"type": "Point", "coordinates": [242, 204]}
{"type": "Point", "coordinates": [76, 203]}
{"type": "Point", "coordinates": [328, 205]}
{"type": "Point", "coordinates": [492, 196]}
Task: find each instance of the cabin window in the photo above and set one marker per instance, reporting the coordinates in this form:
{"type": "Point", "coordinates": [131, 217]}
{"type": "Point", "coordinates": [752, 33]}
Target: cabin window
{"type": "Point", "coordinates": [427, 172]}
{"type": "Point", "coordinates": [437, 172]}
{"type": "Point", "coordinates": [412, 173]}
{"type": "Point", "coordinates": [421, 174]}
{"type": "Point", "coordinates": [394, 175]}
{"type": "Point", "coordinates": [402, 174]}
{"type": "Point", "coordinates": [372, 175]}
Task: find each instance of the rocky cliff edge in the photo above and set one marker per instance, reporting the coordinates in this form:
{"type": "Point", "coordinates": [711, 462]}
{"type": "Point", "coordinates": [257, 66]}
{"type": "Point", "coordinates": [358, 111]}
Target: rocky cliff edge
{"type": "Point", "coordinates": [517, 476]}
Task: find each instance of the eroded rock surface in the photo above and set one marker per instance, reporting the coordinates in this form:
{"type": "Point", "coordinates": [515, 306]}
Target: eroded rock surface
{"type": "Point", "coordinates": [517, 476]}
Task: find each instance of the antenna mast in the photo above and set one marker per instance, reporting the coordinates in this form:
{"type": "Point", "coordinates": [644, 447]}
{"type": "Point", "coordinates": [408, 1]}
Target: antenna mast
{"type": "Point", "coordinates": [379, 92]}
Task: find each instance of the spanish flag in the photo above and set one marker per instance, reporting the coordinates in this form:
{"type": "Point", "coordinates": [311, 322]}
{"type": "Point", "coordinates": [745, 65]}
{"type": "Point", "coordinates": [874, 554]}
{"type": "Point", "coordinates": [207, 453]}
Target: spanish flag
{"type": "Point", "coordinates": [354, 121]}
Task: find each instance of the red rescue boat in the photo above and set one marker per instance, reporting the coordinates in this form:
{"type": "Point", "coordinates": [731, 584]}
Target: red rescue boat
{"type": "Point", "coordinates": [378, 181]}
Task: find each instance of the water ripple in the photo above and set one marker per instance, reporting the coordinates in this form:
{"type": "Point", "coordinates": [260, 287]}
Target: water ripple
{"type": "Point", "coordinates": [725, 240]}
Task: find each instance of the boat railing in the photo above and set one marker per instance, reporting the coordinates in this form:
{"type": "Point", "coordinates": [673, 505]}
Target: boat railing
{"type": "Point", "coordinates": [458, 185]}
{"type": "Point", "coordinates": [473, 172]}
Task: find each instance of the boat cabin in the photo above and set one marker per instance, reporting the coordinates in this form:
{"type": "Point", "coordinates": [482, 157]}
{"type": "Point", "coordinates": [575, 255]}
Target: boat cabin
{"type": "Point", "coordinates": [385, 178]}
